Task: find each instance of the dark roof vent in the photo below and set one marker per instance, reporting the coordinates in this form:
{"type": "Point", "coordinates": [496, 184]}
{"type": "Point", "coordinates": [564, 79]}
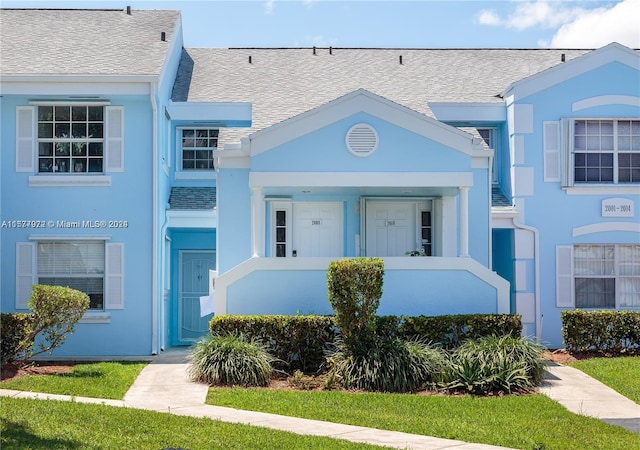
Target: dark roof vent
{"type": "Point", "coordinates": [400, 59]}
{"type": "Point", "coordinates": [128, 10]}
{"type": "Point", "coordinates": [250, 60]}
{"type": "Point", "coordinates": [163, 36]}
{"type": "Point", "coordinates": [314, 49]}
{"type": "Point", "coordinates": [562, 57]}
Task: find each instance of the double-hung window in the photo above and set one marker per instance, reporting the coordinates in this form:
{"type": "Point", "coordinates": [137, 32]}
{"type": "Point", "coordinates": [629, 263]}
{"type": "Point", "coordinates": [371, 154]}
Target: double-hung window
{"type": "Point", "coordinates": [599, 276]}
{"type": "Point", "coordinates": [77, 264]}
{"type": "Point", "coordinates": [197, 147]}
{"type": "Point", "coordinates": [93, 266]}
{"type": "Point", "coordinates": [70, 138]}
{"type": "Point", "coordinates": [606, 151]}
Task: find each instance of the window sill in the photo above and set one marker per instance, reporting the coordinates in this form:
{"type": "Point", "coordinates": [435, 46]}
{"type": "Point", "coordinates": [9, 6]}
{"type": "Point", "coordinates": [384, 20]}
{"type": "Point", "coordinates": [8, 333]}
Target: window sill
{"type": "Point", "coordinates": [196, 175]}
{"type": "Point", "coordinates": [69, 180]}
{"type": "Point", "coordinates": [96, 317]}
{"type": "Point", "coordinates": [601, 190]}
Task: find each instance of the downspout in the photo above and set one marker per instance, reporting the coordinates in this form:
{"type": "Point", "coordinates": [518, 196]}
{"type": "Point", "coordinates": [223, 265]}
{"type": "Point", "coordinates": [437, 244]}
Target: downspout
{"type": "Point", "coordinates": [154, 233]}
{"type": "Point", "coordinates": [536, 258]}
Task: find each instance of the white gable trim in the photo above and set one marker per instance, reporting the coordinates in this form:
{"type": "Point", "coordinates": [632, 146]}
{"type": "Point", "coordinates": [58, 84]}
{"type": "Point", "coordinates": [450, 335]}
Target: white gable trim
{"type": "Point", "coordinates": [361, 179]}
{"type": "Point", "coordinates": [613, 52]}
{"type": "Point", "coordinates": [604, 100]}
{"type": "Point", "coordinates": [603, 227]}
{"type": "Point", "coordinates": [353, 103]}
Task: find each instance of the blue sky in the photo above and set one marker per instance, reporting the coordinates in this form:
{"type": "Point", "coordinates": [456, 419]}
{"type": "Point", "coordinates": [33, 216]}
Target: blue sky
{"type": "Point", "coordinates": [359, 23]}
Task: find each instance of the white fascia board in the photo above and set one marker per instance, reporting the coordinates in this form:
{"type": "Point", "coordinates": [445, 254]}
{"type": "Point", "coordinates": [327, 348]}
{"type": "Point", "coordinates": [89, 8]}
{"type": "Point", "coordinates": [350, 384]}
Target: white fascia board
{"type": "Point", "coordinates": [207, 112]}
{"type": "Point", "coordinates": [359, 101]}
{"type": "Point", "coordinates": [85, 87]}
{"type": "Point", "coordinates": [360, 179]}
{"type": "Point", "coordinates": [469, 112]}
{"type": "Point", "coordinates": [232, 158]}
{"type": "Point", "coordinates": [192, 219]}
{"type": "Point", "coordinates": [613, 52]}
{"type": "Point", "coordinates": [174, 46]}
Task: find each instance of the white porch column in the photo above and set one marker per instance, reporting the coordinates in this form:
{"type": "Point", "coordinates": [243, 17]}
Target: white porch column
{"type": "Point", "coordinates": [257, 221]}
{"type": "Point", "coordinates": [463, 213]}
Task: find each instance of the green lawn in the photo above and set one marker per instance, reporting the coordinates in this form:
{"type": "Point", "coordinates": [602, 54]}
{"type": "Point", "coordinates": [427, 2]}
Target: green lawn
{"type": "Point", "coordinates": [40, 424]}
{"type": "Point", "coordinates": [621, 373]}
{"type": "Point", "coordinates": [526, 422]}
{"type": "Point", "coordinates": [99, 380]}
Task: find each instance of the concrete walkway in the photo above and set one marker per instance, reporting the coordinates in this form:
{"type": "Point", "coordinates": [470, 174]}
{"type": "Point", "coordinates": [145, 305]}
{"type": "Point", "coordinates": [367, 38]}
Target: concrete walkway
{"type": "Point", "coordinates": [581, 394]}
{"type": "Point", "coordinates": [163, 386]}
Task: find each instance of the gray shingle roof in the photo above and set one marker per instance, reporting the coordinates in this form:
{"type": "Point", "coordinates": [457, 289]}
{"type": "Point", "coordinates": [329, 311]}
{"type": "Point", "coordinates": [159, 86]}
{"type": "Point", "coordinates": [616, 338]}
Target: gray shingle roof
{"type": "Point", "coordinates": [192, 198]}
{"type": "Point", "coordinates": [498, 198]}
{"type": "Point", "coordinates": [281, 83]}
{"type": "Point", "coordinates": [84, 42]}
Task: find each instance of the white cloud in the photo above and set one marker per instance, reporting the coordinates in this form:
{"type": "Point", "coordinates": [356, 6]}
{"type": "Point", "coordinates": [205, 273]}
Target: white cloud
{"type": "Point", "coordinates": [532, 14]}
{"type": "Point", "coordinates": [598, 27]}
{"type": "Point", "coordinates": [488, 17]}
{"type": "Point", "coordinates": [576, 26]}
{"type": "Point", "coordinates": [268, 7]}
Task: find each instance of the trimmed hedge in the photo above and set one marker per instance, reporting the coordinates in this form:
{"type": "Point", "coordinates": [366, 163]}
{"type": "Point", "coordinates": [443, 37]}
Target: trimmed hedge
{"type": "Point", "coordinates": [299, 341]}
{"type": "Point", "coordinates": [605, 331]}
{"type": "Point", "coordinates": [14, 328]}
{"type": "Point", "coordinates": [450, 331]}
{"type": "Point", "coordinates": [303, 341]}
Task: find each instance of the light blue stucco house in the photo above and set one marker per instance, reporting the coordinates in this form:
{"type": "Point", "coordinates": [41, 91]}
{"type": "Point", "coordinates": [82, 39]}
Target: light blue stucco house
{"type": "Point", "coordinates": [143, 173]}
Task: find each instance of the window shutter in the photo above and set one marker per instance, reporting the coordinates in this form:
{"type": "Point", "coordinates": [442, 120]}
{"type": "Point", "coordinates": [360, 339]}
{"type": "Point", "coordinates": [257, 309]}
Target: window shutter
{"type": "Point", "coordinates": [114, 138]}
{"type": "Point", "coordinates": [564, 276]}
{"type": "Point", "coordinates": [566, 139]}
{"type": "Point", "coordinates": [551, 139]}
{"type": "Point", "coordinates": [25, 272]}
{"type": "Point", "coordinates": [25, 138]}
{"type": "Point", "coordinates": [114, 276]}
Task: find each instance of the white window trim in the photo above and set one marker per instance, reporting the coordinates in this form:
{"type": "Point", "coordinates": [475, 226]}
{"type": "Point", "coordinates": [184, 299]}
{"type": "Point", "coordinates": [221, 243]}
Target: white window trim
{"type": "Point", "coordinates": [565, 271]}
{"type": "Point", "coordinates": [567, 161]}
{"type": "Point", "coordinates": [191, 174]}
{"type": "Point", "coordinates": [91, 316]}
{"type": "Point", "coordinates": [287, 207]}
{"type": "Point", "coordinates": [59, 180]}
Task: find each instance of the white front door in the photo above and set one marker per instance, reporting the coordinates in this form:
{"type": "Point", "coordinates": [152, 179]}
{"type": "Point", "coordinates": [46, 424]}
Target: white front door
{"type": "Point", "coordinates": [317, 229]}
{"type": "Point", "coordinates": [391, 228]}
{"type": "Point", "coordinates": [193, 283]}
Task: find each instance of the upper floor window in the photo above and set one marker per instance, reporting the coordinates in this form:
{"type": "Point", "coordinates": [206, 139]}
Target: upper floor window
{"type": "Point", "coordinates": [606, 151]}
{"type": "Point", "coordinates": [198, 145]}
{"type": "Point", "coordinates": [70, 138]}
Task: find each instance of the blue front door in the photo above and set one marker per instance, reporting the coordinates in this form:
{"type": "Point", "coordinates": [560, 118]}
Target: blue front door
{"type": "Point", "coordinates": [193, 283]}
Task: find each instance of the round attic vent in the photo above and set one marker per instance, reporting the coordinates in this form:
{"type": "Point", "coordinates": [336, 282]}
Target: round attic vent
{"type": "Point", "coordinates": [362, 140]}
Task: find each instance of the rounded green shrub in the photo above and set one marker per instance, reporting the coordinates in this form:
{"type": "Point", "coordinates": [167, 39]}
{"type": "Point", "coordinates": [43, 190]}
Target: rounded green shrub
{"type": "Point", "coordinates": [230, 360]}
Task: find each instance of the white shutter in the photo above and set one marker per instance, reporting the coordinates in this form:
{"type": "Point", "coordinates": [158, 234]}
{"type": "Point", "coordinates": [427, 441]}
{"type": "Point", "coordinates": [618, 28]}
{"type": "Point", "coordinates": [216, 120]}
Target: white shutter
{"type": "Point", "coordinates": [551, 139]}
{"type": "Point", "coordinates": [25, 272]}
{"type": "Point", "coordinates": [114, 276]}
{"type": "Point", "coordinates": [25, 138]}
{"type": "Point", "coordinates": [114, 138]}
{"type": "Point", "coordinates": [566, 139]}
{"type": "Point", "coordinates": [564, 276]}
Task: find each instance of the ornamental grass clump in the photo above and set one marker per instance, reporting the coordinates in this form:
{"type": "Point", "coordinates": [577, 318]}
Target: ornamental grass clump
{"type": "Point", "coordinates": [230, 360]}
{"type": "Point", "coordinates": [388, 365]}
{"type": "Point", "coordinates": [495, 364]}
